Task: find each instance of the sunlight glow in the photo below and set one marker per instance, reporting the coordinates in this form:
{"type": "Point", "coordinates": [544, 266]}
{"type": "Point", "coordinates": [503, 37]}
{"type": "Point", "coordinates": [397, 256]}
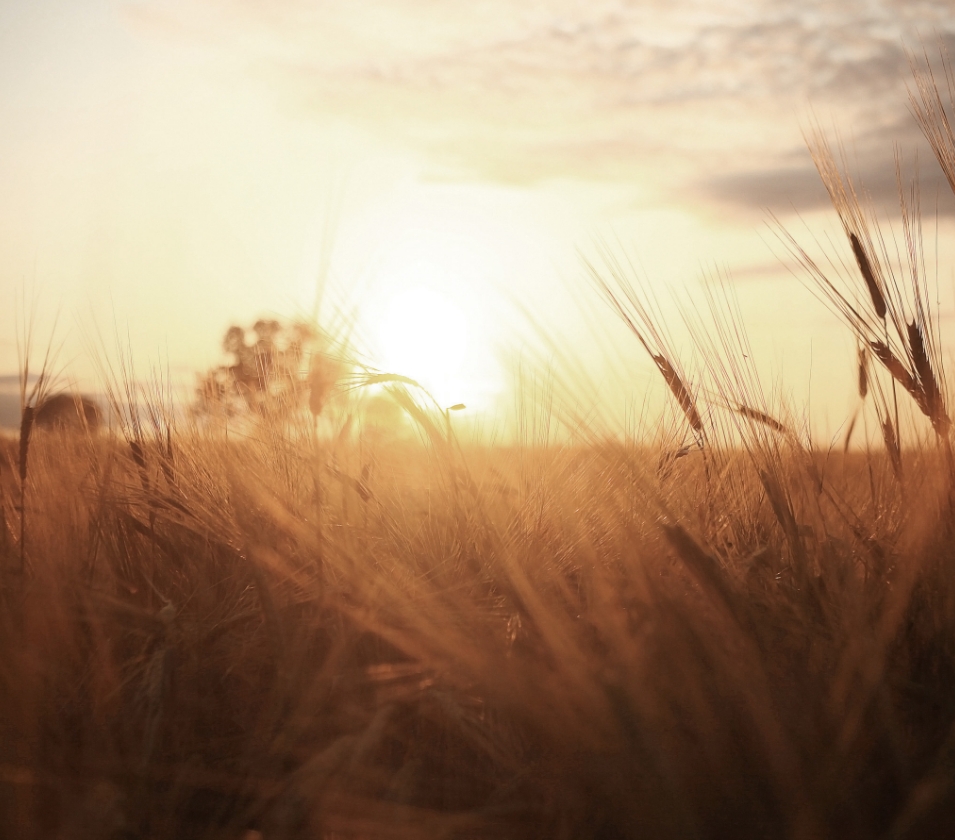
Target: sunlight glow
{"type": "Point", "coordinates": [424, 335]}
{"type": "Point", "coordinates": [433, 304]}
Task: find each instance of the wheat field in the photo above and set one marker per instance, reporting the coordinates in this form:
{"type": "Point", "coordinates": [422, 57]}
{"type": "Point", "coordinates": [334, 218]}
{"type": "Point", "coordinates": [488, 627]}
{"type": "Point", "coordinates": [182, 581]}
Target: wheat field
{"type": "Point", "coordinates": [723, 630]}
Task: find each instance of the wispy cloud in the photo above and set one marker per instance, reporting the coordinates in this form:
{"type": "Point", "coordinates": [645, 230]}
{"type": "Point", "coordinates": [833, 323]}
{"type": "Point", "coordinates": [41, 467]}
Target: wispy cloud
{"type": "Point", "coordinates": [792, 182]}
{"type": "Point", "coordinates": [662, 92]}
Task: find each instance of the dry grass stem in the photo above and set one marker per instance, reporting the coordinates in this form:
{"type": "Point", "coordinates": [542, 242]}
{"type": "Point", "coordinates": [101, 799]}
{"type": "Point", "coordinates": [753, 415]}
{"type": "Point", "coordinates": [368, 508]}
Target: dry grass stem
{"type": "Point", "coordinates": [863, 368]}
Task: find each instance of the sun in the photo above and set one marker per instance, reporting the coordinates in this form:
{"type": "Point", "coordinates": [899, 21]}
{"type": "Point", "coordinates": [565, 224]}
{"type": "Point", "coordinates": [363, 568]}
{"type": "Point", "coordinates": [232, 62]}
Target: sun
{"type": "Point", "coordinates": [431, 300]}
{"type": "Point", "coordinates": [423, 334]}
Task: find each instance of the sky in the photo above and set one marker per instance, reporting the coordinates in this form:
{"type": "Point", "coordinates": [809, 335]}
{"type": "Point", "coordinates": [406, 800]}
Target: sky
{"type": "Point", "coordinates": [171, 167]}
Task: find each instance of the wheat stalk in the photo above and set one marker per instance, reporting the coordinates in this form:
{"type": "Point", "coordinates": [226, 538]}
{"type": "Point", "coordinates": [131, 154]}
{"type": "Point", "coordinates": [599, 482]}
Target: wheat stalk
{"type": "Point", "coordinates": [627, 303]}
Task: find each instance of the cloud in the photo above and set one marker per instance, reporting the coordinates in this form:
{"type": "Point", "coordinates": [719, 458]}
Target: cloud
{"type": "Point", "coordinates": [779, 188]}
{"type": "Point", "coordinates": [868, 158]}
{"type": "Point", "coordinates": [658, 91]}
{"type": "Point", "coordinates": [800, 189]}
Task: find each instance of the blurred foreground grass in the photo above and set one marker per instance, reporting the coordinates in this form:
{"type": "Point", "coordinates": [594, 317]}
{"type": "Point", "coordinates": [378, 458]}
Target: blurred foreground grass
{"type": "Point", "coordinates": [578, 641]}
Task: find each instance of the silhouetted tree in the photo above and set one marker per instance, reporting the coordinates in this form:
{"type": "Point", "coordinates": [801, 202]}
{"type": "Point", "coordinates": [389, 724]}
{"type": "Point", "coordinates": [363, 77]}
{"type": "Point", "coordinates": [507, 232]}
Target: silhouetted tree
{"type": "Point", "coordinates": [276, 368]}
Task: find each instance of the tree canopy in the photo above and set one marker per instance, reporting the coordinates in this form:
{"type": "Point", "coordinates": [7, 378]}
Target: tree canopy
{"type": "Point", "coordinates": [276, 369]}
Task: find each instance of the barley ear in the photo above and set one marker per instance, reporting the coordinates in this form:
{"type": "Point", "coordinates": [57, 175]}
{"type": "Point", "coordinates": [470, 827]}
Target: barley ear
{"type": "Point", "coordinates": [931, 404]}
{"type": "Point", "coordinates": [680, 391]}
{"type": "Point", "coordinates": [849, 431]}
{"type": "Point", "coordinates": [865, 267]}
{"type": "Point", "coordinates": [892, 447]}
{"type": "Point", "coordinates": [896, 369]}
{"type": "Point", "coordinates": [761, 417]}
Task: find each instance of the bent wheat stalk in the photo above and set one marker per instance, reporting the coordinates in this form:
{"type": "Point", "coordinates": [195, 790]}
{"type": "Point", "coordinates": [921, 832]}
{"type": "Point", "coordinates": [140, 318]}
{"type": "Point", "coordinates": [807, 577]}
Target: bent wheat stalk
{"type": "Point", "coordinates": [762, 417]}
{"type": "Point", "coordinates": [679, 390]}
{"type": "Point", "coordinates": [627, 303]}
